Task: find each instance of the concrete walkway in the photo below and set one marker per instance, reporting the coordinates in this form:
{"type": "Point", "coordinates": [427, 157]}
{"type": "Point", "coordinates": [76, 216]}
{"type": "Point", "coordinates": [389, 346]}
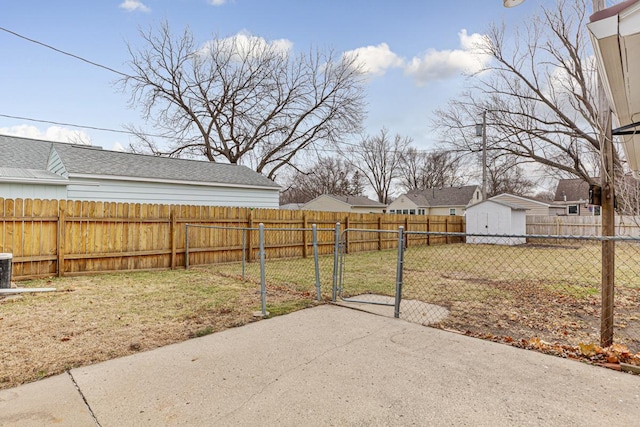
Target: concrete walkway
{"type": "Point", "coordinates": [330, 366]}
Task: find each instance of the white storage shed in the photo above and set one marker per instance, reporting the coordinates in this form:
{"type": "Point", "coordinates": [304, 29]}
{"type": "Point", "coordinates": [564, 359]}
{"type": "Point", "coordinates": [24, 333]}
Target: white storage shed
{"type": "Point", "coordinates": [493, 219]}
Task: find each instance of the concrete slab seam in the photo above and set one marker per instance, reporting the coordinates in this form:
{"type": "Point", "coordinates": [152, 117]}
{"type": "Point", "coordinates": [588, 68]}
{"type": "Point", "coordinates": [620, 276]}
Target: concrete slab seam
{"type": "Point", "coordinates": [84, 399]}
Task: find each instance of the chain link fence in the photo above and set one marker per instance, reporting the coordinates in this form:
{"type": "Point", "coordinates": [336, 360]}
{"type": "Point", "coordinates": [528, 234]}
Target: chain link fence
{"type": "Point", "coordinates": [507, 287]}
{"type": "Point", "coordinates": [289, 266]}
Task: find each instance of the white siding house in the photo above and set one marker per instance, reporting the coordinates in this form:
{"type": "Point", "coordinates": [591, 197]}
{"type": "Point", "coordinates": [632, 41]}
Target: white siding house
{"type": "Point", "coordinates": [492, 218]}
{"type": "Point", "coordinates": [436, 201]}
{"type": "Point", "coordinates": [52, 170]}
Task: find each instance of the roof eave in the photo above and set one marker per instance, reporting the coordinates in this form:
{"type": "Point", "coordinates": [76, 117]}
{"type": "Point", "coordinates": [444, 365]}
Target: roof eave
{"type": "Point", "coordinates": [274, 187]}
{"type": "Point", "coordinates": [615, 36]}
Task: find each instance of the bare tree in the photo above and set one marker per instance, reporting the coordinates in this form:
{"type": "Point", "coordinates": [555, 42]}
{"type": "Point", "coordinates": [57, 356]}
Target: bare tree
{"type": "Point", "coordinates": [420, 170]}
{"type": "Point", "coordinates": [330, 175]}
{"type": "Point", "coordinates": [504, 175]}
{"type": "Point", "coordinates": [378, 158]}
{"type": "Point", "coordinates": [241, 99]}
{"type": "Point", "coordinates": [538, 94]}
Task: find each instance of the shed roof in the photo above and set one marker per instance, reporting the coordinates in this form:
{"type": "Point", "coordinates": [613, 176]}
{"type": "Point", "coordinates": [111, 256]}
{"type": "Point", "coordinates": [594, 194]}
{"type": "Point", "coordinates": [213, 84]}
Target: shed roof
{"type": "Point", "coordinates": [511, 206]}
{"type": "Point", "coordinates": [499, 197]}
{"type": "Point", "coordinates": [445, 196]}
{"type": "Point", "coordinates": [357, 200]}
{"type": "Point", "coordinates": [86, 160]}
{"type": "Point", "coordinates": [31, 176]}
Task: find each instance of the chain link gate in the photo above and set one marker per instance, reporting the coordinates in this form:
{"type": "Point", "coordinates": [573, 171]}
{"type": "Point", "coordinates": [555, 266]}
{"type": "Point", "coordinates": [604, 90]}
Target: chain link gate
{"type": "Point", "coordinates": [352, 285]}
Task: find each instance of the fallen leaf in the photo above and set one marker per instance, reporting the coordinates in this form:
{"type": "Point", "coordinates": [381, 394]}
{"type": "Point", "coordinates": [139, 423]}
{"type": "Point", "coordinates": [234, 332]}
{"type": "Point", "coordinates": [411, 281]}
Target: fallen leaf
{"type": "Point", "coordinates": [587, 349]}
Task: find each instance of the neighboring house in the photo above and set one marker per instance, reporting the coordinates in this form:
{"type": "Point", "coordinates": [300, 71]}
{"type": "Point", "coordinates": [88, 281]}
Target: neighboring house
{"type": "Point", "coordinates": [292, 206]}
{"type": "Point", "coordinates": [334, 203]}
{"type": "Point", "coordinates": [436, 201]}
{"type": "Point", "coordinates": [52, 170]}
{"type": "Point", "coordinates": [532, 206]}
{"type": "Point", "coordinates": [573, 195]}
{"type": "Point", "coordinates": [492, 218]}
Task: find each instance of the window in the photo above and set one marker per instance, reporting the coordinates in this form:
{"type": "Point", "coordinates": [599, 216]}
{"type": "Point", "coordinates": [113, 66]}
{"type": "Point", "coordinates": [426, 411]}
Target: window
{"type": "Point", "coordinates": [405, 211]}
{"type": "Point", "coordinates": [392, 211]}
{"type": "Point", "coordinates": [452, 211]}
{"type": "Point", "coordinates": [412, 212]}
{"type": "Point", "coordinates": [596, 211]}
{"type": "Point", "coordinates": [420, 211]}
{"type": "Point", "coordinates": [572, 210]}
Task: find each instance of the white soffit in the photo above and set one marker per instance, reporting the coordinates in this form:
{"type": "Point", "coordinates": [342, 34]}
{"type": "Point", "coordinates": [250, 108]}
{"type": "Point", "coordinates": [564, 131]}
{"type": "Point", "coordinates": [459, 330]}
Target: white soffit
{"type": "Point", "coordinates": [616, 41]}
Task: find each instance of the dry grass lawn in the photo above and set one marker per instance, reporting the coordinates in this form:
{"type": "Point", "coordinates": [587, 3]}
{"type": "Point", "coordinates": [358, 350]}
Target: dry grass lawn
{"type": "Point", "coordinates": [538, 297]}
{"type": "Point", "coordinates": [95, 318]}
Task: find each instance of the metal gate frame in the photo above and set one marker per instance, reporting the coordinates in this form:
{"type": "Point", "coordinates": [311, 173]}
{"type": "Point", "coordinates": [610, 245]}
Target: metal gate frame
{"type": "Point", "coordinates": [338, 267]}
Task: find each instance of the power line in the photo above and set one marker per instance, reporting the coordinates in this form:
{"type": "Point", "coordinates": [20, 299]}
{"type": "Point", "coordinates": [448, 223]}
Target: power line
{"type": "Point", "coordinates": [69, 124]}
{"type": "Point", "coordinates": [64, 52]}
{"type": "Point", "coordinates": [126, 132]}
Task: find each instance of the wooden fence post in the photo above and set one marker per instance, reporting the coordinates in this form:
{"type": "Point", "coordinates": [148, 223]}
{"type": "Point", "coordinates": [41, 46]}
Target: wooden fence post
{"type": "Point", "coordinates": [172, 231]}
{"type": "Point", "coordinates": [406, 228]}
{"type": "Point", "coordinates": [428, 235]}
{"type": "Point", "coordinates": [346, 235]}
{"type": "Point", "coordinates": [446, 230]}
{"type": "Point", "coordinates": [249, 233]}
{"type": "Point", "coordinates": [61, 232]}
{"type": "Point", "coordinates": [304, 235]}
{"type": "Point", "coordinates": [380, 232]}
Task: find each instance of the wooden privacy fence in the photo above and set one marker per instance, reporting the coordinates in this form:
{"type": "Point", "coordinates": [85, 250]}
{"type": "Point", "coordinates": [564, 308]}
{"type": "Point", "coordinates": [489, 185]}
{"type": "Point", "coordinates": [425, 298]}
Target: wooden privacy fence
{"type": "Point", "coordinates": [586, 226]}
{"type": "Point", "coordinates": [64, 237]}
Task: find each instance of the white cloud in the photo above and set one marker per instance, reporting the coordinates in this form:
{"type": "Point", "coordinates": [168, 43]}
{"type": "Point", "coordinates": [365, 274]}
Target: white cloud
{"type": "Point", "coordinates": [244, 43]}
{"type": "Point", "coordinates": [52, 133]}
{"type": "Point", "coordinates": [217, 2]}
{"type": "Point", "coordinates": [376, 60]}
{"type": "Point", "coordinates": [436, 65]}
{"type": "Point", "coordinates": [134, 5]}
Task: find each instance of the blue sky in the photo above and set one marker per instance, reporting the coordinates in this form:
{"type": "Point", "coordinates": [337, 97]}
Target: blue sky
{"type": "Point", "coordinates": [416, 51]}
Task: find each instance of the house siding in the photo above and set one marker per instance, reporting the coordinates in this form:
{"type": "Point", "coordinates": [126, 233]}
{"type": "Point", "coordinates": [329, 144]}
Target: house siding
{"type": "Point", "coordinates": [32, 191]}
{"type": "Point", "coordinates": [55, 165]}
{"type": "Point", "coordinates": [401, 203]}
{"type": "Point", "coordinates": [445, 210]}
{"type": "Point", "coordinates": [167, 193]}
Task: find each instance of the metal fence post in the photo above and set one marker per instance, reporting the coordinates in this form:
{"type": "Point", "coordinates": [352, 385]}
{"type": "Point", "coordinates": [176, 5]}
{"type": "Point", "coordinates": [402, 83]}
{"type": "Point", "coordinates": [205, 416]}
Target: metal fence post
{"type": "Point", "coordinates": [186, 247]}
{"type": "Point", "coordinates": [263, 276]}
{"type": "Point", "coordinates": [399, 271]}
{"type": "Point", "coordinates": [336, 250]}
{"type": "Point", "coordinates": [314, 233]}
{"type": "Point", "coordinates": [244, 250]}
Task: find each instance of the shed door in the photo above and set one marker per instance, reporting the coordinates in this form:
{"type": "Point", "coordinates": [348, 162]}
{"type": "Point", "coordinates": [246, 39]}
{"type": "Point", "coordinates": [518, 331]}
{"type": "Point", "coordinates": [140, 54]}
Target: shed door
{"type": "Point", "coordinates": [483, 223]}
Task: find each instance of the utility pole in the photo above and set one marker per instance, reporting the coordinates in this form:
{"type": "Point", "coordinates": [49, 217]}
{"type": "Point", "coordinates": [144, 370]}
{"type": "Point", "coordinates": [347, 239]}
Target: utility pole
{"type": "Point", "coordinates": [484, 154]}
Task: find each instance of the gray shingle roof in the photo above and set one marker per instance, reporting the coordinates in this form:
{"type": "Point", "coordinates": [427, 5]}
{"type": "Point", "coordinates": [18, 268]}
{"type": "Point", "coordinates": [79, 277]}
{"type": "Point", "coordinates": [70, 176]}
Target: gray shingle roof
{"type": "Point", "coordinates": [26, 153]}
{"type": "Point", "coordinates": [571, 190]}
{"type": "Point", "coordinates": [357, 200]}
{"type": "Point", "coordinates": [446, 196]}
